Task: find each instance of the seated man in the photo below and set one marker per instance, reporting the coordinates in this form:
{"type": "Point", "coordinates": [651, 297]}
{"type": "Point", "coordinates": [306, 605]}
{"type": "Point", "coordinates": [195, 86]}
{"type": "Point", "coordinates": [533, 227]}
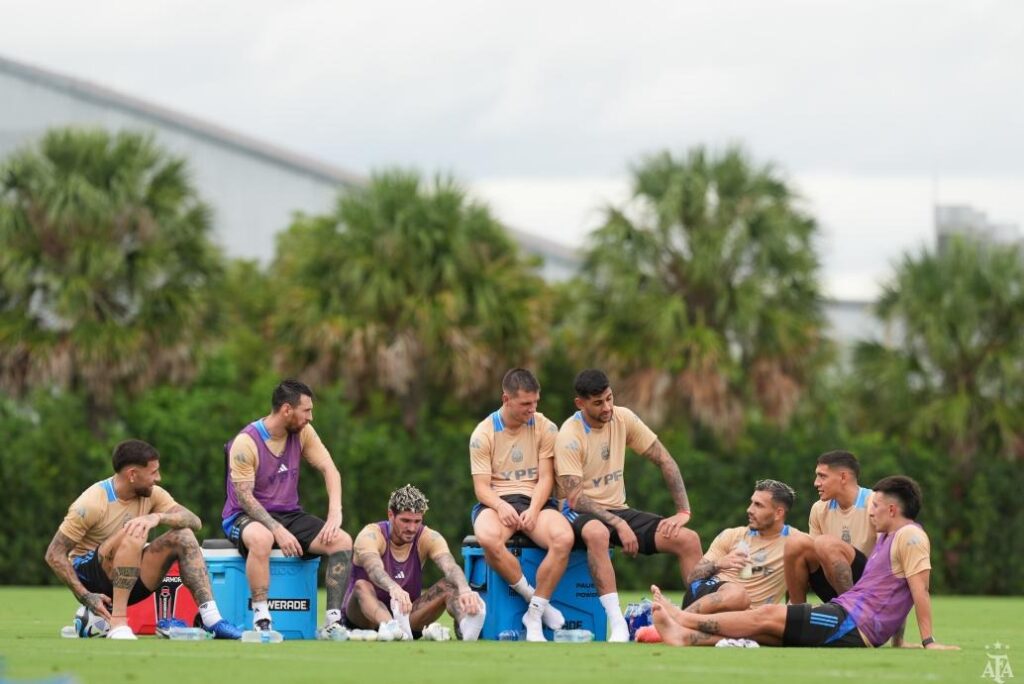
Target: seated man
{"type": "Point", "coordinates": [385, 587]}
{"type": "Point", "coordinates": [743, 567]}
{"type": "Point", "coordinates": [832, 557]}
{"type": "Point", "coordinates": [100, 549]}
{"type": "Point", "coordinates": [511, 455]}
{"type": "Point", "coordinates": [895, 578]}
{"type": "Point", "coordinates": [590, 456]}
{"type": "Point", "coordinates": [261, 507]}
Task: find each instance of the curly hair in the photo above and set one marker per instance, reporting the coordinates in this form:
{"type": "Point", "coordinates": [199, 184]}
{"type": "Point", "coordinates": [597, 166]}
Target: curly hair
{"type": "Point", "coordinates": [408, 499]}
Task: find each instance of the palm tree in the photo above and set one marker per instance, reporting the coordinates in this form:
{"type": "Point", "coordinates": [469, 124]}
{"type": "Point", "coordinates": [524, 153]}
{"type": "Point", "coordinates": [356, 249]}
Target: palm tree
{"type": "Point", "coordinates": [409, 288]}
{"type": "Point", "coordinates": [702, 292]}
{"type": "Point", "coordinates": [955, 377]}
{"type": "Point", "coordinates": [105, 256]}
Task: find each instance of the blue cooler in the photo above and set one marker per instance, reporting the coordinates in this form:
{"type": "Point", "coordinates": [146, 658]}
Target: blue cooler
{"type": "Point", "coordinates": [575, 596]}
{"type": "Point", "coordinates": [292, 596]}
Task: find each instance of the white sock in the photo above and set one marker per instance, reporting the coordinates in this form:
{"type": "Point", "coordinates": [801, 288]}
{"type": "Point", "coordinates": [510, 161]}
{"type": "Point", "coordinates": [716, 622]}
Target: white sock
{"type": "Point", "coordinates": [620, 630]}
{"type": "Point", "coordinates": [553, 618]}
{"type": "Point", "coordinates": [210, 613]}
{"type": "Point", "coordinates": [403, 619]}
{"type": "Point", "coordinates": [532, 619]}
{"type": "Point", "coordinates": [260, 611]}
{"type": "Point", "coordinates": [331, 615]}
{"type": "Point", "coordinates": [523, 588]}
{"type": "Point", "coordinates": [471, 625]}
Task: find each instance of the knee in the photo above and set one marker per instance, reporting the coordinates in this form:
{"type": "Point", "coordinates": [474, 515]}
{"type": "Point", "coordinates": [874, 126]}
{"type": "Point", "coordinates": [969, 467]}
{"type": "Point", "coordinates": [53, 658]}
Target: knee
{"type": "Point", "coordinates": [364, 588]}
{"type": "Point", "coordinates": [596, 537]}
{"type": "Point", "coordinates": [490, 542]}
{"type": "Point", "coordinates": [687, 542]}
{"type": "Point", "coordinates": [259, 543]}
{"type": "Point", "coordinates": [343, 542]}
{"type": "Point", "coordinates": [561, 542]}
{"type": "Point", "coordinates": [737, 597]}
{"type": "Point", "coordinates": [798, 547]}
{"type": "Point", "coordinates": [828, 548]}
{"type": "Point", "coordinates": [183, 538]}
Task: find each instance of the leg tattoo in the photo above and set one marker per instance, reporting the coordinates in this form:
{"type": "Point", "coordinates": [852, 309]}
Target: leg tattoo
{"type": "Point", "coordinates": [843, 576]}
{"type": "Point", "coordinates": [336, 577]}
{"type": "Point", "coordinates": [193, 572]}
{"type": "Point", "coordinates": [125, 577]}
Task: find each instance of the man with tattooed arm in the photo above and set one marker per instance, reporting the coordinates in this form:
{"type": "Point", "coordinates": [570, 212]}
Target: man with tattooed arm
{"type": "Point", "coordinates": [262, 508]}
{"type": "Point", "coordinates": [590, 453]}
{"type": "Point", "coordinates": [100, 549]}
{"type": "Point", "coordinates": [385, 590]}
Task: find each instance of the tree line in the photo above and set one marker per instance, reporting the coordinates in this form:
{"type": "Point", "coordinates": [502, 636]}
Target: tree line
{"type": "Point", "coordinates": [700, 296]}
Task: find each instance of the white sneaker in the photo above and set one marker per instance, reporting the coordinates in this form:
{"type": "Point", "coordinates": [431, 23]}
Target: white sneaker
{"type": "Point", "coordinates": [553, 618]}
{"type": "Point", "coordinates": [390, 631]}
{"type": "Point", "coordinates": [435, 631]}
{"type": "Point", "coordinates": [737, 643]}
{"type": "Point", "coordinates": [534, 628]}
{"type": "Point", "coordinates": [333, 632]}
{"type": "Point", "coordinates": [123, 632]}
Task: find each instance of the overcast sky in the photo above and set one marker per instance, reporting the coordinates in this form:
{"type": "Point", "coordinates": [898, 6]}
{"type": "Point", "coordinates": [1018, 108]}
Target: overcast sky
{"type": "Point", "coordinates": [872, 109]}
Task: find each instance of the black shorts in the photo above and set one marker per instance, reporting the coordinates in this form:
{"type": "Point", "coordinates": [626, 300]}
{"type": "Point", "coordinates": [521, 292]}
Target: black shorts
{"type": "Point", "coordinates": [643, 524]}
{"type": "Point", "coordinates": [90, 573]}
{"type": "Point", "coordinates": [701, 588]}
{"type": "Point", "coordinates": [824, 625]}
{"type": "Point", "coordinates": [520, 502]}
{"type": "Point", "coordinates": [303, 525]}
{"type": "Point", "coordinates": [819, 583]}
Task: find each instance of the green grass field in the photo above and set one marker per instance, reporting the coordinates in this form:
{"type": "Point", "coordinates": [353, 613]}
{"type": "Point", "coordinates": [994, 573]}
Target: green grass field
{"type": "Point", "coordinates": [31, 647]}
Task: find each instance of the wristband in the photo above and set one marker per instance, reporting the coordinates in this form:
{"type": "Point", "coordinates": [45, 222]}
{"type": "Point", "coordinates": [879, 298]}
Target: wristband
{"type": "Point", "coordinates": [929, 640]}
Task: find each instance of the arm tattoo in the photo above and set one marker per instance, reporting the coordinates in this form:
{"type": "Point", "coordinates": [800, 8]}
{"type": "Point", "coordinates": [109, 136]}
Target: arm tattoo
{"type": "Point", "coordinates": [125, 577]}
{"type": "Point", "coordinates": [253, 508]}
{"type": "Point", "coordinates": [705, 568]}
{"type": "Point", "coordinates": [572, 485]}
{"type": "Point", "coordinates": [659, 455]}
{"type": "Point", "coordinates": [57, 558]}
{"type": "Point", "coordinates": [179, 518]}
{"type": "Point", "coordinates": [373, 564]}
{"type": "Point", "coordinates": [336, 577]}
{"type": "Point", "coordinates": [452, 572]}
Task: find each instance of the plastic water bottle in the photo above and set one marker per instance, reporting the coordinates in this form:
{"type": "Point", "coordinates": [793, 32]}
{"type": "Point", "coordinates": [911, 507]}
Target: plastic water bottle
{"type": "Point", "coordinates": [747, 571]}
{"type": "Point", "coordinates": [510, 635]}
{"type": "Point", "coordinates": [644, 614]}
{"type": "Point", "coordinates": [188, 634]}
{"type": "Point", "coordinates": [252, 636]}
{"type": "Point", "coordinates": [575, 636]}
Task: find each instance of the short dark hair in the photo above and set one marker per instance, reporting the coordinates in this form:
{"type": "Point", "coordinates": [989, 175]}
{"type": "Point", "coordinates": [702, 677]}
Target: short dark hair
{"type": "Point", "coordinates": [590, 383]}
{"type": "Point", "coordinates": [133, 452]}
{"type": "Point", "coordinates": [782, 493]}
{"type": "Point", "coordinates": [905, 490]}
{"type": "Point", "coordinates": [519, 380]}
{"type": "Point", "coordinates": [289, 392]}
{"type": "Point", "coordinates": [841, 459]}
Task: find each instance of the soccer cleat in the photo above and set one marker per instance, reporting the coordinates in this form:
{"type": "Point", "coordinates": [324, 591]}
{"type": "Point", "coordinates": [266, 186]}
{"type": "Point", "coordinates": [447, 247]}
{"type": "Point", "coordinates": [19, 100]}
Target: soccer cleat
{"type": "Point", "coordinates": [222, 629]}
{"type": "Point", "coordinates": [123, 632]}
{"type": "Point", "coordinates": [164, 626]}
{"type": "Point", "coordinates": [333, 632]}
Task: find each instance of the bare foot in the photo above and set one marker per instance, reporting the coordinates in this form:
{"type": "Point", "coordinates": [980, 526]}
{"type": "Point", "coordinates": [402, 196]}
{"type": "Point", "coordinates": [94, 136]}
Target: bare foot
{"type": "Point", "coordinates": [659, 599]}
{"type": "Point", "coordinates": [671, 632]}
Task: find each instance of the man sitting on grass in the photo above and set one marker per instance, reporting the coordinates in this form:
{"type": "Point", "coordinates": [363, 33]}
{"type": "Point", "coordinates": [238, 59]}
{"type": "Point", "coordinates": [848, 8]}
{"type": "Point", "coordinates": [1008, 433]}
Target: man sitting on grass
{"type": "Point", "coordinates": [895, 578]}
